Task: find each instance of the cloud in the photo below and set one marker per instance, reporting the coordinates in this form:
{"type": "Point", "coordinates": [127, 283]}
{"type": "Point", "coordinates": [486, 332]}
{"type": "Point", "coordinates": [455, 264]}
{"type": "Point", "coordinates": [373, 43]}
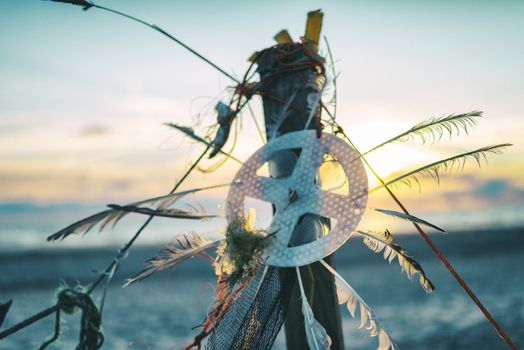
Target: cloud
{"type": "Point", "coordinates": [490, 192]}
{"type": "Point", "coordinates": [93, 130]}
{"type": "Point", "coordinates": [500, 189]}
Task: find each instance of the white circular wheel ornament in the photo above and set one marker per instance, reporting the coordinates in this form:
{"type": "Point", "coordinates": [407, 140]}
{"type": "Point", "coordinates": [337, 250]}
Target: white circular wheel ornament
{"type": "Point", "coordinates": [307, 197]}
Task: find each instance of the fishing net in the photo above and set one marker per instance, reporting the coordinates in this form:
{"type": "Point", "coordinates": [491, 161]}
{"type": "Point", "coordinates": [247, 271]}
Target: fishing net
{"type": "Point", "coordinates": [255, 318]}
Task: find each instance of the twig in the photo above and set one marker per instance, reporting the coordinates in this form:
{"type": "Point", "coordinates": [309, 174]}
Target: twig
{"type": "Point", "coordinates": [334, 80]}
{"type": "Point", "coordinates": [256, 123]}
{"type": "Point", "coordinates": [160, 30]}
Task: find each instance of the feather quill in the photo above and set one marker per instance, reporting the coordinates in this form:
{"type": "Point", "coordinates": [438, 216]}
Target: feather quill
{"type": "Point", "coordinates": [408, 217]}
{"type": "Point", "coordinates": [383, 241]}
{"type": "Point", "coordinates": [168, 213]}
{"type": "Point", "coordinates": [435, 128]}
{"type": "Point", "coordinates": [347, 295]}
{"type": "Point", "coordinates": [316, 335]}
{"type": "Point", "coordinates": [186, 247]}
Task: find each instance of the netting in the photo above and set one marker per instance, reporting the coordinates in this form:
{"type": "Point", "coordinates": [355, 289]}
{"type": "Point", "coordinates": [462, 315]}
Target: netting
{"type": "Point", "coordinates": [255, 318]}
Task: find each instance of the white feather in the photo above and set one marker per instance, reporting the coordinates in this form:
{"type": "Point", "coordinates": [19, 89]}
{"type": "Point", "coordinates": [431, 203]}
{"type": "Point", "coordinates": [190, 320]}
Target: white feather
{"type": "Point", "coordinates": [379, 242]}
{"type": "Point", "coordinates": [316, 335]}
{"type": "Point", "coordinates": [187, 247]}
{"type": "Point", "coordinates": [272, 129]}
{"type": "Point", "coordinates": [112, 216]}
{"type": "Point", "coordinates": [347, 295]}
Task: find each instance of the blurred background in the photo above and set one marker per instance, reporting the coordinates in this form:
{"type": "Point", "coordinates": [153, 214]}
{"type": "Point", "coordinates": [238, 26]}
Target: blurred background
{"type": "Point", "coordinates": [83, 99]}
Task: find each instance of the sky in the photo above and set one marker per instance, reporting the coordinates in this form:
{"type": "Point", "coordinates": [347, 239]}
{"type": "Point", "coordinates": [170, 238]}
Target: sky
{"type": "Point", "coordinates": [84, 95]}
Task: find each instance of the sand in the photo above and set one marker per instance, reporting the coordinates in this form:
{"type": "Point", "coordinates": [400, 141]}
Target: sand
{"type": "Point", "coordinates": [159, 313]}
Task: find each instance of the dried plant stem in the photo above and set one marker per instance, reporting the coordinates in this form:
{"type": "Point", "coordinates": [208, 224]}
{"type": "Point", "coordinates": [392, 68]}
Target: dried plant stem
{"type": "Point", "coordinates": [259, 130]}
{"type": "Point", "coordinates": [333, 115]}
{"type": "Point", "coordinates": [459, 279]}
{"type": "Point", "coordinates": [121, 253]}
{"type": "Point", "coordinates": [160, 30]}
{"type": "Point", "coordinates": [439, 253]}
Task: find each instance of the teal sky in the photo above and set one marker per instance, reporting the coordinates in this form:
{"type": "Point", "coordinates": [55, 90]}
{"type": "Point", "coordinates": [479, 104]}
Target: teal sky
{"type": "Point", "coordinates": [83, 95]}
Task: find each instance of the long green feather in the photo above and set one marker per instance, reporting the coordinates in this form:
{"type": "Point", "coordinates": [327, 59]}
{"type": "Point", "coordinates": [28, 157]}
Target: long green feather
{"type": "Point", "coordinates": [449, 164]}
{"type": "Point", "coordinates": [434, 129]}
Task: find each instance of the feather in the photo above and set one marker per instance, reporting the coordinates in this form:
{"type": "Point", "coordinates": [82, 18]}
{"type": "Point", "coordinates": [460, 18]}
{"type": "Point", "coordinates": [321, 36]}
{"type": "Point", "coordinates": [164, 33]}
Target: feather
{"type": "Point", "coordinates": [216, 147]}
{"type": "Point", "coordinates": [347, 295]}
{"type": "Point", "coordinates": [4, 309]}
{"type": "Point", "coordinates": [84, 3]}
{"type": "Point", "coordinates": [316, 335]}
{"type": "Point", "coordinates": [225, 117]}
{"type": "Point", "coordinates": [448, 165]}
{"type": "Point", "coordinates": [272, 128]}
{"type": "Point", "coordinates": [187, 246]}
{"type": "Point", "coordinates": [191, 134]}
{"type": "Point", "coordinates": [168, 213]}
{"type": "Point", "coordinates": [409, 218]}
{"type": "Point", "coordinates": [378, 242]}
{"type": "Point", "coordinates": [434, 129]}
{"type": "Point", "coordinates": [313, 99]}
{"type": "Point", "coordinates": [112, 216]}
{"type": "Point", "coordinates": [80, 227]}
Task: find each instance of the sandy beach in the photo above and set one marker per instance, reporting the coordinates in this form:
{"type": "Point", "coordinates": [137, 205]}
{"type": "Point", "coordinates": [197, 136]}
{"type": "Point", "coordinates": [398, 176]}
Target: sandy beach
{"type": "Point", "coordinates": [160, 312]}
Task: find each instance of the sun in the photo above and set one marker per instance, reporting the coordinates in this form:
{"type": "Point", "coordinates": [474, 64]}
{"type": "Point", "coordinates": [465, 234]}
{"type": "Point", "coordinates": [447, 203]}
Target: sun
{"type": "Point", "coordinates": [388, 160]}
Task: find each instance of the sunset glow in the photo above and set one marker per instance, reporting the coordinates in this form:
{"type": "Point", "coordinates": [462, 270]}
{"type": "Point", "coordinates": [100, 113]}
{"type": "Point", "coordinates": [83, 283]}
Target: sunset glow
{"type": "Point", "coordinates": [85, 95]}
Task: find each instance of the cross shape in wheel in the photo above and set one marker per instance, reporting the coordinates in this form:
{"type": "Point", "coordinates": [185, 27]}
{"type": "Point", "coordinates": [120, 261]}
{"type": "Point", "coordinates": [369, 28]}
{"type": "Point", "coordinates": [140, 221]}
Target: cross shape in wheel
{"type": "Point", "coordinates": [298, 195]}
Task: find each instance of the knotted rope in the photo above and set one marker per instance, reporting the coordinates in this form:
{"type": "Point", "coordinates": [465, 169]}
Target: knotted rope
{"type": "Point", "coordinates": [68, 301]}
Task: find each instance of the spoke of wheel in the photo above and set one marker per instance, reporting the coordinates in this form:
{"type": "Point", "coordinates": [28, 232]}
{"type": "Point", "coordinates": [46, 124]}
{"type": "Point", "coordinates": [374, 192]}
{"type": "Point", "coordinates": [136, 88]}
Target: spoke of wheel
{"type": "Point", "coordinates": [304, 167]}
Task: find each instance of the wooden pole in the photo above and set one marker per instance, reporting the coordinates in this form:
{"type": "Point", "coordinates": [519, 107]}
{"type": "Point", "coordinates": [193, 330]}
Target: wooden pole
{"type": "Point", "coordinates": [290, 73]}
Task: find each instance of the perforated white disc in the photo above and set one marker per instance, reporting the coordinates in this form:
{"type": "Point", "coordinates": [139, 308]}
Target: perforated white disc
{"type": "Point", "coordinates": [307, 197]}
